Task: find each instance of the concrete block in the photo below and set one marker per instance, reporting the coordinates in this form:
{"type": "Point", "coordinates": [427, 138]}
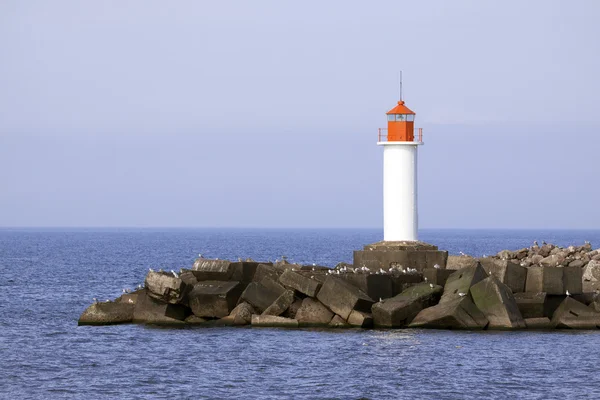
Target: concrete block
{"type": "Point", "coordinates": [107, 313]}
{"type": "Point", "coordinates": [496, 301]}
{"type": "Point", "coordinates": [545, 279]}
{"type": "Point", "coordinates": [262, 294]}
{"type": "Point", "coordinates": [359, 319]}
{"type": "Point", "coordinates": [400, 310]}
{"type": "Point", "coordinates": [193, 320]}
{"type": "Point", "coordinates": [301, 282]}
{"type": "Point", "coordinates": [338, 322]}
{"type": "Point", "coordinates": [214, 299]}
{"type": "Point", "coordinates": [457, 313]}
{"type": "Point", "coordinates": [401, 282]}
{"type": "Point", "coordinates": [508, 272]}
{"type": "Point", "coordinates": [129, 298]}
{"type": "Point", "coordinates": [212, 270]}
{"type": "Point", "coordinates": [461, 281]}
{"type": "Point", "coordinates": [273, 321]}
{"type": "Point", "coordinates": [313, 313]}
{"type": "Point", "coordinates": [387, 255]}
{"type": "Point", "coordinates": [165, 286]}
{"type": "Point", "coordinates": [281, 304]}
{"type": "Point", "coordinates": [242, 314]}
{"type": "Point", "coordinates": [538, 323]}
{"type": "Point", "coordinates": [263, 270]}
{"type": "Point", "coordinates": [342, 297]}
{"type": "Point", "coordinates": [437, 276]}
{"type": "Point", "coordinates": [152, 311]}
{"type": "Point", "coordinates": [293, 308]}
{"type": "Point", "coordinates": [459, 262]}
{"type": "Point", "coordinates": [572, 280]}
{"type": "Point", "coordinates": [531, 305]}
{"type": "Point", "coordinates": [243, 271]}
{"type": "Point", "coordinates": [375, 286]}
{"type": "Point", "coordinates": [572, 314]}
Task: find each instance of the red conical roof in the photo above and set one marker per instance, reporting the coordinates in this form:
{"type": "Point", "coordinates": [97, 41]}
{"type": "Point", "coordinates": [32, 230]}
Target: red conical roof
{"type": "Point", "coordinates": [400, 109]}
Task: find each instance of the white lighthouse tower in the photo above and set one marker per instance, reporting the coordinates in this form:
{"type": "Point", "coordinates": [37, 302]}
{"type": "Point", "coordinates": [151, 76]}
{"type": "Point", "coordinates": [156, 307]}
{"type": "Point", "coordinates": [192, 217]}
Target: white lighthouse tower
{"type": "Point", "coordinates": [400, 148]}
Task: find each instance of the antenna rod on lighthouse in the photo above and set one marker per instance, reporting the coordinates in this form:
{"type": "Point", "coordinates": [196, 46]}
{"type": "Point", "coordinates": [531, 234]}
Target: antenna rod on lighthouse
{"type": "Point", "coordinates": [400, 85]}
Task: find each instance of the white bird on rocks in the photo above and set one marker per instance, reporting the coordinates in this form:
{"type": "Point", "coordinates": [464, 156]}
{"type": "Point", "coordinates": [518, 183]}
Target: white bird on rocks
{"type": "Point", "coordinates": [380, 299]}
{"type": "Point", "coordinates": [425, 279]}
{"type": "Point", "coordinates": [107, 301]}
{"type": "Point", "coordinates": [314, 265]}
{"type": "Point", "coordinates": [199, 255]}
{"type": "Point", "coordinates": [544, 242]}
{"type": "Point", "coordinates": [124, 291]}
{"type": "Point", "coordinates": [461, 253]}
{"type": "Point", "coordinates": [437, 266]}
{"type": "Point", "coordinates": [139, 286]}
{"type": "Point", "coordinates": [174, 274]}
{"type": "Point", "coordinates": [95, 300]}
{"type": "Point", "coordinates": [150, 270]}
{"type": "Point", "coordinates": [535, 243]}
{"type": "Point", "coordinates": [337, 272]}
{"type": "Point", "coordinates": [431, 285]}
{"type": "Point", "coordinates": [381, 271]}
{"type": "Point", "coordinates": [567, 293]}
{"type": "Point", "coordinates": [461, 294]}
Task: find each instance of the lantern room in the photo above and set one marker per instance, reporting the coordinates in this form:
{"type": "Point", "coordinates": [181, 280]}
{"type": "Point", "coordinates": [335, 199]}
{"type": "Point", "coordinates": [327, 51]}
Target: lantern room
{"type": "Point", "coordinates": [401, 121]}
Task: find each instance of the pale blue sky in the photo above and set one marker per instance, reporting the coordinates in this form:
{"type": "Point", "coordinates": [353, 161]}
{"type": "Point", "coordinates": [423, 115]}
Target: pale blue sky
{"type": "Point", "coordinates": [265, 113]}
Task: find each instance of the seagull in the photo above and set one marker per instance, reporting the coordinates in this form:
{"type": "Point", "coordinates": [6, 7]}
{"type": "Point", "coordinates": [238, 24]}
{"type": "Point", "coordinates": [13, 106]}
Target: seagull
{"type": "Point", "coordinates": [239, 259]}
{"type": "Point", "coordinates": [150, 270]}
{"type": "Point", "coordinates": [437, 266]}
{"type": "Point", "coordinates": [425, 279]}
{"type": "Point", "coordinates": [461, 294]}
{"type": "Point", "coordinates": [431, 285]}
{"type": "Point", "coordinates": [107, 300]}
{"type": "Point", "coordinates": [313, 269]}
{"type": "Point", "coordinates": [160, 270]}
{"type": "Point", "coordinates": [380, 299]}
{"type": "Point", "coordinates": [139, 286]}
{"type": "Point", "coordinates": [535, 243]}
{"type": "Point", "coordinates": [461, 253]}
{"type": "Point", "coordinates": [124, 291]}
{"type": "Point", "coordinates": [312, 277]}
{"type": "Point", "coordinates": [95, 300]}
{"type": "Point", "coordinates": [544, 242]}
{"type": "Point", "coordinates": [381, 271]}
{"type": "Point", "coordinates": [314, 265]}
{"type": "Point", "coordinates": [567, 293]}
{"type": "Point", "coordinates": [199, 255]}
{"type": "Point", "coordinates": [174, 274]}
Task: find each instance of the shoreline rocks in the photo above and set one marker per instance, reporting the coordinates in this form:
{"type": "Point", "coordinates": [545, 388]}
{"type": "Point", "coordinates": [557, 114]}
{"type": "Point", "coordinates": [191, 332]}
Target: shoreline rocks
{"type": "Point", "coordinates": [541, 287]}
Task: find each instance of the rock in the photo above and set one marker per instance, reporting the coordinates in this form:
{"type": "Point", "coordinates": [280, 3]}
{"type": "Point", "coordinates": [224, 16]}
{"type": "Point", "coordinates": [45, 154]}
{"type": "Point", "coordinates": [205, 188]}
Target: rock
{"type": "Point", "coordinates": [401, 282]}
{"type": "Point", "coordinates": [243, 271]}
{"type": "Point", "coordinates": [313, 313]}
{"type": "Point", "coordinates": [293, 309]}
{"type": "Point", "coordinates": [576, 263]}
{"type": "Point", "coordinates": [193, 320]}
{"type": "Point", "coordinates": [531, 305]}
{"type": "Point", "coordinates": [437, 276]}
{"type": "Point", "coordinates": [536, 259]}
{"type": "Point", "coordinates": [262, 294]}
{"type": "Point", "coordinates": [590, 287]}
{"type": "Point", "coordinates": [341, 297]}
{"type": "Point", "coordinates": [130, 298]}
{"type": "Point", "coordinates": [212, 270]}
{"type": "Point", "coordinates": [165, 287]}
{"type": "Point", "coordinates": [300, 282]}
{"type": "Point", "coordinates": [281, 304]}
{"type": "Point", "coordinates": [545, 279]}
{"type": "Point", "coordinates": [572, 280]}
{"type": "Point", "coordinates": [214, 299]}
{"type": "Point", "coordinates": [107, 313]}
{"type": "Point", "coordinates": [273, 321]}
{"type": "Point", "coordinates": [400, 310]}
{"type": "Point", "coordinates": [188, 277]}
{"type": "Point", "coordinates": [552, 260]}
{"type": "Point", "coordinates": [591, 272]}
{"type": "Point", "coordinates": [455, 313]}
{"type": "Point", "coordinates": [506, 255]}
{"type": "Point", "coordinates": [595, 303]}
{"type": "Point", "coordinates": [460, 262]}
{"type": "Point", "coordinates": [338, 322]}
{"type": "Point", "coordinates": [572, 314]}
{"type": "Point", "coordinates": [152, 311]}
{"type": "Point", "coordinates": [538, 323]}
{"type": "Point", "coordinates": [375, 286]}
{"type": "Point", "coordinates": [461, 281]}
{"type": "Point", "coordinates": [274, 272]}
{"type": "Point", "coordinates": [544, 251]}
{"type": "Point", "coordinates": [242, 314]}
{"type": "Point", "coordinates": [360, 319]}
{"type": "Point", "coordinates": [521, 253]}
{"type": "Point", "coordinates": [510, 273]}
{"type": "Point", "coordinates": [496, 301]}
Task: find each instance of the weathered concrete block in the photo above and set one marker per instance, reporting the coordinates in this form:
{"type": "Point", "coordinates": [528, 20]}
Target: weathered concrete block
{"type": "Point", "coordinates": [360, 319]}
{"type": "Point", "coordinates": [531, 305]}
{"type": "Point", "coordinates": [373, 285]}
{"type": "Point", "coordinates": [269, 270]}
{"type": "Point", "coordinates": [410, 255]}
{"type": "Point", "coordinates": [165, 286]}
{"type": "Point", "coordinates": [508, 272]}
{"type": "Point", "coordinates": [293, 308]}
{"type": "Point", "coordinates": [457, 313]}
{"type": "Point", "coordinates": [538, 323]}
{"type": "Point", "coordinates": [129, 298]}
{"type": "Point", "coordinates": [573, 280]}
{"type": "Point", "coordinates": [212, 270]}
{"type": "Point", "coordinates": [338, 322]}
{"type": "Point", "coordinates": [437, 276]}
{"type": "Point", "coordinates": [545, 279]}
{"type": "Point", "coordinates": [273, 321]}
{"type": "Point", "coordinates": [281, 304]}
{"type": "Point", "coordinates": [461, 281]}
{"type": "Point", "coordinates": [262, 294]}
{"type": "Point", "coordinates": [243, 271]}
{"type": "Point", "coordinates": [400, 310]}
{"type": "Point", "coordinates": [342, 297]}
{"type": "Point", "coordinates": [152, 311]}
{"type": "Point", "coordinates": [300, 282]}
{"type": "Point", "coordinates": [401, 282]}
{"type": "Point", "coordinates": [108, 313]}
{"type": "Point", "coordinates": [193, 320]}
{"type": "Point", "coordinates": [459, 262]}
{"type": "Point", "coordinates": [552, 303]}
{"type": "Point", "coordinates": [496, 301]}
{"type": "Point", "coordinates": [572, 314]}
{"type": "Point", "coordinates": [242, 314]}
{"type": "Point", "coordinates": [313, 313]}
{"type": "Point", "coordinates": [214, 299]}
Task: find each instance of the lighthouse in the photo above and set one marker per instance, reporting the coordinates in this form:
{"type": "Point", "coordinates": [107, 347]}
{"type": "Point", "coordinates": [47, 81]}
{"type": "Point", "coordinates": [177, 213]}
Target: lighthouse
{"type": "Point", "coordinates": [400, 149]}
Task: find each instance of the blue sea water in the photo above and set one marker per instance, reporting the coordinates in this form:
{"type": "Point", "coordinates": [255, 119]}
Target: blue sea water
{"type": "Point", "coordinates": [49, 276]}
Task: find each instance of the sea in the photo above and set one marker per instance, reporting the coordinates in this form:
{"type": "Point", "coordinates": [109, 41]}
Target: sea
{"type": "Point", "coordinates": [49, 276]}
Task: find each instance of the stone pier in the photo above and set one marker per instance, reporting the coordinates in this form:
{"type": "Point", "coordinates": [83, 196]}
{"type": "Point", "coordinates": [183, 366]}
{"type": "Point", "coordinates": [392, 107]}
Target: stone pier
{"type": "Point", "coordinates": [385, 255]}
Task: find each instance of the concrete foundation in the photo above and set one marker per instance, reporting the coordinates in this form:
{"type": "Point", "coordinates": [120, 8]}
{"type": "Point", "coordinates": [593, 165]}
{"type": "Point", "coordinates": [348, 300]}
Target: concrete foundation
{"type": "Point", "coordinates": [417, 255]}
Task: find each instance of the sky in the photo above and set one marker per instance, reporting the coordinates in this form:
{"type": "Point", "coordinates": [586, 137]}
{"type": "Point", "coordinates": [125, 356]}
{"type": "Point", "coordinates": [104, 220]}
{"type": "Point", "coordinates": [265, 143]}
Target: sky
{"type": "Point", "coordinates": [265, 114]}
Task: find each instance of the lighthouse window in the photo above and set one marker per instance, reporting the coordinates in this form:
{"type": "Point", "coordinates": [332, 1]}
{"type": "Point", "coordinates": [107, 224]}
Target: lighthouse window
{"type": "Point", "coordinates": [400, 117]}
{"type": "Point", "coordinates": [391, 117]}
{"type": "Point", "coordinates": [410, 117]}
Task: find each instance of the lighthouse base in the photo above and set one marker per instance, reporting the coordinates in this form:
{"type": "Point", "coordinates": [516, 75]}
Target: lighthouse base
{"type": "Point", "coordinates": [408, 254]}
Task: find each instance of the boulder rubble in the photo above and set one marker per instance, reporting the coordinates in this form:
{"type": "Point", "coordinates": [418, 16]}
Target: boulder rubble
{"type": "Point", "coordinates": [540, 287]}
